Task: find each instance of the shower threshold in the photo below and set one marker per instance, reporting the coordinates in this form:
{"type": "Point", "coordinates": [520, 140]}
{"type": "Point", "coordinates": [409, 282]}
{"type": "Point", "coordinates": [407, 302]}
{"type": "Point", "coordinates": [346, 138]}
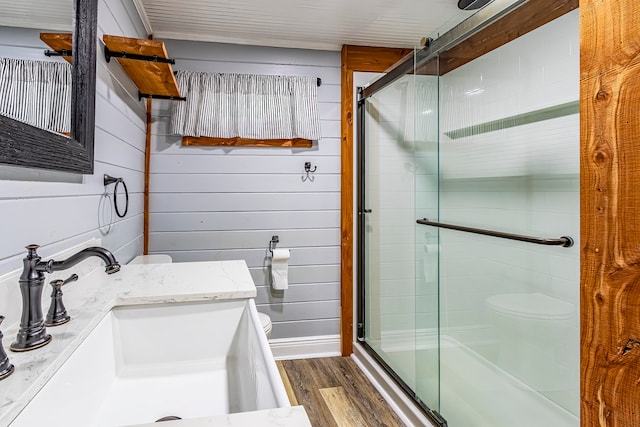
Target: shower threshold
{"type": "Point", "coordinates": [473, 390]}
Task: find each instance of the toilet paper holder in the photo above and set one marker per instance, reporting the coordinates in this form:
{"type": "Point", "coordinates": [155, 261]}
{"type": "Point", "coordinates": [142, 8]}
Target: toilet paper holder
{"type": "Point", "coordinates": [272, 244]}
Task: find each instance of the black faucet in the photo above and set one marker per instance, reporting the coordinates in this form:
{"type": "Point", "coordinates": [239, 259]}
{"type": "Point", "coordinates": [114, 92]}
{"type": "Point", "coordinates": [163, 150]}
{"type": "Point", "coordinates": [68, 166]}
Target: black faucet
{"type": "Point", "coordinates": [6, 368]}
{"type": "Point", "coordinates": [33, 333]}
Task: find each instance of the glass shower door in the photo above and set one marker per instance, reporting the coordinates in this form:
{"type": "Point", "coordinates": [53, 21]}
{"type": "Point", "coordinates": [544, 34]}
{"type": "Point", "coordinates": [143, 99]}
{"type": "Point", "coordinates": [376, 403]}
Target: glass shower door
{"type": "Point", "coordinates": [509, 310]}
{"type": "Point", "coordinates": [482, 329]}
{"type": "Point", "coordinates": [400, 327]}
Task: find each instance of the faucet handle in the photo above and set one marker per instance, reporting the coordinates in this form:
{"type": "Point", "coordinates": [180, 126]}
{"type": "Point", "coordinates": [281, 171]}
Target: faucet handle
{"type": "Point", "coordinates": [57, 314]}
{"type": "Point", "coordinates": [59, 282]}
{"type": "Point", "coordinates": [6, 368]}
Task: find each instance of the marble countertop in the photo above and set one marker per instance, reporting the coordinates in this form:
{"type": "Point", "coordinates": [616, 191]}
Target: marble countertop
{"type": "Point", "coordinates": [90, 298]}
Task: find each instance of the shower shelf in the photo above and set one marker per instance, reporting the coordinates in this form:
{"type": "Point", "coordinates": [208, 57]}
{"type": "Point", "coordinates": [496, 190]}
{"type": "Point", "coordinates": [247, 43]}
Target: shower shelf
{"type": "Point", "coordinates": [555, 111]}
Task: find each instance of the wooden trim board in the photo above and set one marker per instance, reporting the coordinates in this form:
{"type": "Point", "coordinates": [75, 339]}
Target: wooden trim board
{"type": "Point", "coordinates": [609, 206]}
{"type": "Point", "coordinates": [362, 59]}
{"type": "Point", "coordinates": [206, 141]}
{"type": "Point", "coordinates": [522, 20]}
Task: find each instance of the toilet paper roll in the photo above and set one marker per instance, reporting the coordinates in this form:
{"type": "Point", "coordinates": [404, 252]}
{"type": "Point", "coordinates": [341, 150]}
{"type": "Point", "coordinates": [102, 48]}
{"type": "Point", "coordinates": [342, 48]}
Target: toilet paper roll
{"type": "Point", "coordinates": [280, 269]}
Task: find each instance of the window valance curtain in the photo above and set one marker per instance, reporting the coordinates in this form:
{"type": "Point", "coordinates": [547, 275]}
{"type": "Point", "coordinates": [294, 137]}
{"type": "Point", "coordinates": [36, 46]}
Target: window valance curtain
{"type": "Point", "coordinates": [246, 106]}
{"type": "Point", "coordinates": [36, 92]}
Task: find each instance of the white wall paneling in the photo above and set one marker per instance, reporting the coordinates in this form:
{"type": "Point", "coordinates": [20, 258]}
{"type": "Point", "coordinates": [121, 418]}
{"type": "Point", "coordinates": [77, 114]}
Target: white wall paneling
{"type": "Point", "coordinates": [234, 202]}
{"type": "Point", "coordinates": [237, 237]}
{"type": "Point", "coordinates": [242, 220]}
{"type": "Point", "coordinates": [307, 328]}
{"type": "Point", "coordinates": [307, 274]}
{"type": "Point", "coordinates": [251, 182]}
{"type": "Point", "coordinates": [299, 293]}
{"type": "Point", "coordinates": [259, 257]}
{"type": "Point", "coordinates": [218, 203]}
{"type": "Point", "coordinates": [240, 164]}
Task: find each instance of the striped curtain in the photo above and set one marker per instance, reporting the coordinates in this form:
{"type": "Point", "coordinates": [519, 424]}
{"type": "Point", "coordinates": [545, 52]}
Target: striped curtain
{"type": "Point", "coordinates": [246, 106]}
{"type": "Point", "coordinates": [36, 92]}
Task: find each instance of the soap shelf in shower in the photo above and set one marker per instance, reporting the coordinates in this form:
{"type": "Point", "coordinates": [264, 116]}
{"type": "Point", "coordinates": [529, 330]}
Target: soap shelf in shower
{"type": "Point", "coordinates": [555, 111]}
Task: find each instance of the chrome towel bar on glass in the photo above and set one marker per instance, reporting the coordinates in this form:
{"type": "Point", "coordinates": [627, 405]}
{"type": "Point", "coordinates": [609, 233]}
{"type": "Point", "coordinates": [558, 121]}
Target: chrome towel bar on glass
{"type": "Point", "coordinates": [564, 241]}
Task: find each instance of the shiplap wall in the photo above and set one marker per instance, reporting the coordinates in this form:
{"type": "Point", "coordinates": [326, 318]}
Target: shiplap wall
{"type": "Point", "coordinates": [62, 213]}
{"type": "Point", "coordinates": [225, 203]}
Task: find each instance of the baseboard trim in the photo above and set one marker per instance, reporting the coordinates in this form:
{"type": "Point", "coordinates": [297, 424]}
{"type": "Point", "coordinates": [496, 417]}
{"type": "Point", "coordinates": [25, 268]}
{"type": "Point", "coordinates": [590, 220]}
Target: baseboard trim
{"type": "Point", "coordinates": [305, 347]}
{"type": "Point", "coordinates": [404, 407]}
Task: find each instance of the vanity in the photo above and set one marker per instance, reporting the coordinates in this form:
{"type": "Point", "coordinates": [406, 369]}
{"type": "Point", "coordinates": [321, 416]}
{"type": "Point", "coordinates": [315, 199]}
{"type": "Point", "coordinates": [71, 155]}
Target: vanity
{"type": "Point", "coordinates": [151, 342]}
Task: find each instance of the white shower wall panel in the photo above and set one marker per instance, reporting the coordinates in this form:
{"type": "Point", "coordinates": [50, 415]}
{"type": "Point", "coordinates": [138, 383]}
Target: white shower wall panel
{"type": "Point", "coordinates": [210, 203]}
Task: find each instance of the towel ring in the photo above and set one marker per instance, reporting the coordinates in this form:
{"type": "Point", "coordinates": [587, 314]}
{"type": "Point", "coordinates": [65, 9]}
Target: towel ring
{"type": "Point", "coordinates": [110, 180]}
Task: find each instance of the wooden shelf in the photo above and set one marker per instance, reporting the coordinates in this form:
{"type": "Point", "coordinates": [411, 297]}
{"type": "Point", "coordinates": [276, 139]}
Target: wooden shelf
{"type": "Point", "coordinates": [59, 41]}
{"type": "Point", "coordinates": [152, 78]}
{"type": "Point", "coordinates": [205, 141]}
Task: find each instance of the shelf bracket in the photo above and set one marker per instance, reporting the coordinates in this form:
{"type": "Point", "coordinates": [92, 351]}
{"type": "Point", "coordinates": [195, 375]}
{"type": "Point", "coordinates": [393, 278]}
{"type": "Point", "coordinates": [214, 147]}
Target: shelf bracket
{"type": "Point", "coordinates": [169, 97]}
{"type": "Point", "coordinates": [61, 52]}
{"type": "Point", "coordinates": [108, 54]}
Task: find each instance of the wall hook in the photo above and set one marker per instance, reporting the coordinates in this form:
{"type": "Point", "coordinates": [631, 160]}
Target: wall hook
{"type": "Point", "coordinates": [308, 170]}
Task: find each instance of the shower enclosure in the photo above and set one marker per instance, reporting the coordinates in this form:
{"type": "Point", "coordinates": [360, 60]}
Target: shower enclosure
{"type": "Point", "coordinates": [468, 230]}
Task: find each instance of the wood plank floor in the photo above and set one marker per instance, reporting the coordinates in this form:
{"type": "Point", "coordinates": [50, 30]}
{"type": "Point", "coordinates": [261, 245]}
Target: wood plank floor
{"type": "Point", "coordinates": [335, 393]}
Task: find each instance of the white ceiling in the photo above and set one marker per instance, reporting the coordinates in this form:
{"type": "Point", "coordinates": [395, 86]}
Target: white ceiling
{"type": "Point", "coordinates": [309, 24]}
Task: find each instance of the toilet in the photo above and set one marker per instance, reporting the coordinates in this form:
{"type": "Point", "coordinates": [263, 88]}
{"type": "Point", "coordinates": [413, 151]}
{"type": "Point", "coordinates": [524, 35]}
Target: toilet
{"type": "Point", "coordinates": [531, 327]}
{"type": "Point", "coordinates": [265, 321]}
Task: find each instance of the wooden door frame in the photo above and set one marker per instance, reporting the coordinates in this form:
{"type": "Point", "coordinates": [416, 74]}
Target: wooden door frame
{"type": "Point", "coordinates": [609, 220]}
{"type": "Point", "coordinates": [354, 59]}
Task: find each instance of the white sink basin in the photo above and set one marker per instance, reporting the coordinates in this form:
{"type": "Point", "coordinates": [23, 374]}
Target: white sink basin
{"type": "Point", "coordinates": [145, 362]}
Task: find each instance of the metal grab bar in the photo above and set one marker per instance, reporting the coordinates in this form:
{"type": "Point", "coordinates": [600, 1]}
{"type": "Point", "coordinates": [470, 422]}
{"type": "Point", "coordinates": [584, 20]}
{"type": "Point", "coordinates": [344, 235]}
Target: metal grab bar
{"type": "Point", "coordinates": [564, 241]}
